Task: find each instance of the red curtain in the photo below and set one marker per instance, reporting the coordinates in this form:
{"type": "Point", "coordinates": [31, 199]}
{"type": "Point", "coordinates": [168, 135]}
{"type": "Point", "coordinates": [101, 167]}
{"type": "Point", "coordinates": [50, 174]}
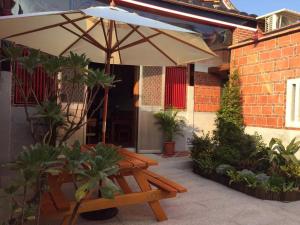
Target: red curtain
{"type": "Point", "coordinates": [175, 87]}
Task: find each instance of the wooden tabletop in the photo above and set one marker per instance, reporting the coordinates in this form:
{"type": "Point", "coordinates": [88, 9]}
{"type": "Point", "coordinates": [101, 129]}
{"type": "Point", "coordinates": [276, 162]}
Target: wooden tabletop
{"type": "Point", "coordinates": [130, 160]}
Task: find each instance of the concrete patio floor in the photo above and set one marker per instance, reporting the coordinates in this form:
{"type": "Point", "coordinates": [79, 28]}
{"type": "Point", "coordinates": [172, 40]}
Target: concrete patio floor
{"type": "Point", "coordinates": [205, 203]}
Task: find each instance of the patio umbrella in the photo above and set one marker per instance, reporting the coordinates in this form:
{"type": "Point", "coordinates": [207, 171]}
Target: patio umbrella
{"type": "Point", "coordinates": [107, 35]}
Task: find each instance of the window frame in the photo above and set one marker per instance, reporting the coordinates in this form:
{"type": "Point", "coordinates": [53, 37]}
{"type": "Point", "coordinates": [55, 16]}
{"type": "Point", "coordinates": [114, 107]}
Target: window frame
{"type": "Point", "coordinates": [292, 110]}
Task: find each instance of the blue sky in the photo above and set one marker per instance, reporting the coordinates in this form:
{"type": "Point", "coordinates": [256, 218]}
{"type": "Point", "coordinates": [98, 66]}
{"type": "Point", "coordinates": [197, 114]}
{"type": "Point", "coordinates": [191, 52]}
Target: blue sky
{"type": "Point", "coordinates": [261, 7]}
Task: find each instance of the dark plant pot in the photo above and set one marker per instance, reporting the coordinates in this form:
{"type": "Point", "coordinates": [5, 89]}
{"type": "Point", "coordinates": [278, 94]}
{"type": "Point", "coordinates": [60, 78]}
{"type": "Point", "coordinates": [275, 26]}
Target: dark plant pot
{"type": "Point", "coordinates": [169, 148]}
{"type": "Point", "coordinates": [103, 214]}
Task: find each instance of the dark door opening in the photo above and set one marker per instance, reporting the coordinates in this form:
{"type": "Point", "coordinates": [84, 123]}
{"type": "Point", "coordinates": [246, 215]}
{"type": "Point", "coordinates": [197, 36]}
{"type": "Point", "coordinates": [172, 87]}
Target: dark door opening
{"type": "Point", "coordinates": [122, 110]}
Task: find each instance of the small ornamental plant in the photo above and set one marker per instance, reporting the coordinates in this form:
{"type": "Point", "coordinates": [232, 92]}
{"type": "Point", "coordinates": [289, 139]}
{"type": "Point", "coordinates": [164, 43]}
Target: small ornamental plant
{"type": "Point", "coordinates": [171, 125]}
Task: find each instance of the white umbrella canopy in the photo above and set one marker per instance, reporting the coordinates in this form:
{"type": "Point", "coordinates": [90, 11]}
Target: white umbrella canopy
{"type": "Point", "coordinates": [135, 40]}
{"type": "Point", "coordinates": [107, 35]}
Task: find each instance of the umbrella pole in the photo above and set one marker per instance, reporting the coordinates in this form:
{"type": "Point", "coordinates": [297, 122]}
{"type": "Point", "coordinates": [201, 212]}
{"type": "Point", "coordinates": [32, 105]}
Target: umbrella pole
{"type": "Point", "coordinates": [104, 115]}
{"type": "Point", "coordinates": [107, 72]}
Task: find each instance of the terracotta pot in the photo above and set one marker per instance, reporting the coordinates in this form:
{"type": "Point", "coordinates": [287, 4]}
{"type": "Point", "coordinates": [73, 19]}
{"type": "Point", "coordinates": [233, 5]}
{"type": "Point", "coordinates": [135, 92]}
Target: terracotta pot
{"type": "Point", "coordinates": [169, 148]}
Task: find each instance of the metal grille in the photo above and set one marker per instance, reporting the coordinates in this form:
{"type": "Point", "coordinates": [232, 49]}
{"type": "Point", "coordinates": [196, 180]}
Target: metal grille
{"type": "Point", "coordinates": [269, 24]}
{"type": "Point", "coordinates": [175, 91]}
{"type": "Point", "coordinates": [72, 93]}
{"type": "Point", "coordinates": [152, 85]}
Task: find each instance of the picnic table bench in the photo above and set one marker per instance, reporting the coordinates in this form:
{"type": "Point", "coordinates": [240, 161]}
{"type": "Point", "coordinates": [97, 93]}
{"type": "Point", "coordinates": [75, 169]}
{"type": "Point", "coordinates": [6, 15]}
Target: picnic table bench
{"type": "Point", "coordinates": [153, 188]}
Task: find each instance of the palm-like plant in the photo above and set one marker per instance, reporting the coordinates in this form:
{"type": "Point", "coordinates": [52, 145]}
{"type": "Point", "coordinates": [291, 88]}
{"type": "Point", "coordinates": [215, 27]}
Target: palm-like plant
{"type": "Point", "coordinates": [283, 159]}
{"type": "Point", "coordinates": [91, 171]}
{"type": "Point", "coordinates": [32, 167]}
{"type": "Point", "coordinates": [170, 123]}
{"type": "Point", "coordinates": [99, 164]}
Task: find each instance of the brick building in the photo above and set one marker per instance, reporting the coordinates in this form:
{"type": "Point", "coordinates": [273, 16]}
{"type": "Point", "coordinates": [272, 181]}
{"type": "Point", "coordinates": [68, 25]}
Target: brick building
{"type": "Point", "coordinates": [270, 75]}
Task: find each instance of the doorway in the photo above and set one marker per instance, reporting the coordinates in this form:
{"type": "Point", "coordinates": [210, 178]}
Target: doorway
{"type": "Point", "coordinates": [122, 112]}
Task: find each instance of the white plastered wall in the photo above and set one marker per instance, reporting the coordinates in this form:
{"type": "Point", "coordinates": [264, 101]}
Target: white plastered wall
{"type": "Point", "coordinates": [150, 138]}
{"type": "Point", "coordinates": [205, 121]}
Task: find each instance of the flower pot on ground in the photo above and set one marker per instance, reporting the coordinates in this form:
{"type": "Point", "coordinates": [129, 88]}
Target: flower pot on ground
{"type": "Point", "coordinates": [171, 125]}
{"type": "Point", "coordinates": [169, 148]}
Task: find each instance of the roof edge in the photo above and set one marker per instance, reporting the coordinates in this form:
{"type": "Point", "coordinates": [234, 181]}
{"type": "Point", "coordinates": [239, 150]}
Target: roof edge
{"type": "Point", "coordinates": [279, 11]}
{"type": "Point", "coordinates": [185, 16]}
{"type": "Point", "coordinates": [277, 33]}
{"type": "Point", "coordinates": [210, 9]}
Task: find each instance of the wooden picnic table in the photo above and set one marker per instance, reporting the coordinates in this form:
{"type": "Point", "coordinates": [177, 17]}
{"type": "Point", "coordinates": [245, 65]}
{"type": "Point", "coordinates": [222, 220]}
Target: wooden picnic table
{"type": "Point", "coordinates": [153, 188]}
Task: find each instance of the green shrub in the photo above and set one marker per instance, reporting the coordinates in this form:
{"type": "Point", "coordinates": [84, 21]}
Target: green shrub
{"type": "Point", "coordinates": [205, 163]}
{"type": "Point", "coordinates": [263, 178]}
{"type": "Point", "coordinates": [223, 169]}
{"type": "Point", "coordinates": [282, 159]}
{"type": "Point", "coordinates": [202, 144]}
{"type": "Point", "coordinates": [202, 152]}
{"type": "Point", "coordinates": [229, 120]}
{"type": "Point", "coordinates": [227, 155]}
{"type": "Point", "coordinates": [260, 156]}
{"type": "Point", "coordinates": [268, 183]}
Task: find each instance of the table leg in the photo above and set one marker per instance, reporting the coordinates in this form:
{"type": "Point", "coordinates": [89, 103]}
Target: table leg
{"type": "Point", "coordinates": [123, 184]}
{"type": "Point", "coordinates": [154, 205]}
{"type": "Point", "coordinates": [66, 220]}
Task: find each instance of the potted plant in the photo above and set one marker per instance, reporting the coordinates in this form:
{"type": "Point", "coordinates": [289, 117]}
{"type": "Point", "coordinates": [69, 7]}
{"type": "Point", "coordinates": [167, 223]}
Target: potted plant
{"type": "Point", "coordinates": [171, 125]}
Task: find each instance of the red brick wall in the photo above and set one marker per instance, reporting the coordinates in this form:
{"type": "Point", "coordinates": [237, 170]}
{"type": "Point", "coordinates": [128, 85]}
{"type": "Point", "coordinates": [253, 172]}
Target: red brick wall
{"type": "Point", "coordinates": [264, 68]}
{"type": "Point", "coordinates": [207, 92]}
{"type": "Point", "coordinates": [240, 35]}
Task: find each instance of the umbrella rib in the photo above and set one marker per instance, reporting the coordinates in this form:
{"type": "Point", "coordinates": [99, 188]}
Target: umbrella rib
{"type": "Point", "coordinates": [46, 27]}
{"type": "Point", "coordinates": [115, 27]}
{"type": "Point", "coordinates": [104, 33]}
{"type": "Point", "coordinates": [182, 41]}
{"type": "Point", "coordinates": [84, 38]}
{"type": "Point", "coordinates": [157, 48]}
{"type": "Point", "coordinates": [79, 38]}
{"type": "Point", "coordinates": [87, 35]}
{"type": "Point", "coordinates": [143, 40]}
{"type": "Point", "coordinates": [126, 37]}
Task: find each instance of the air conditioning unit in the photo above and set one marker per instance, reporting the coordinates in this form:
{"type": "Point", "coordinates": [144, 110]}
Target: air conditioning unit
{"type": "Point", "coordinates": [279, 19]}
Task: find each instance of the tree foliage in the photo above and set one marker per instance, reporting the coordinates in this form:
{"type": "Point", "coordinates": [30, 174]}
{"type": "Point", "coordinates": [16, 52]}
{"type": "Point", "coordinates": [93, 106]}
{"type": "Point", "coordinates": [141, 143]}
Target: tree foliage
{"type": "Point", "coordinates": [57, 116]}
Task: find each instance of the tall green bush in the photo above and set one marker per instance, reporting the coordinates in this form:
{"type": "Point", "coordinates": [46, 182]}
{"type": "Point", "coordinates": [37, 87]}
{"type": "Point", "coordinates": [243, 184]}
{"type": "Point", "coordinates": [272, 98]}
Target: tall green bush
{"type": "Point", "coordinates": [229, 122]}
{"type": "Point", "coordinates": [234, 146]}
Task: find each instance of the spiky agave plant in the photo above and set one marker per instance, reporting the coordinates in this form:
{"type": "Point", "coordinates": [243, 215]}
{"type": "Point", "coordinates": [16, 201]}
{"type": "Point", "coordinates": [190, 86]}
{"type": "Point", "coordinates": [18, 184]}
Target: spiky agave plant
{"type": "Point", "coordinates": [31, 167]}
{"type": "Point", "coordinates": [100, 162]}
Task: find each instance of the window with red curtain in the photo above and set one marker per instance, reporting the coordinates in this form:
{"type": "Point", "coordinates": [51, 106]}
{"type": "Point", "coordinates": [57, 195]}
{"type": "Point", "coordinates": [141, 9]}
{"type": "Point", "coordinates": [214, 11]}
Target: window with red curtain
{"type": "Point", "coordinates": [36, 86]}
{"type": "Point", "coordinates": [175, 87]}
